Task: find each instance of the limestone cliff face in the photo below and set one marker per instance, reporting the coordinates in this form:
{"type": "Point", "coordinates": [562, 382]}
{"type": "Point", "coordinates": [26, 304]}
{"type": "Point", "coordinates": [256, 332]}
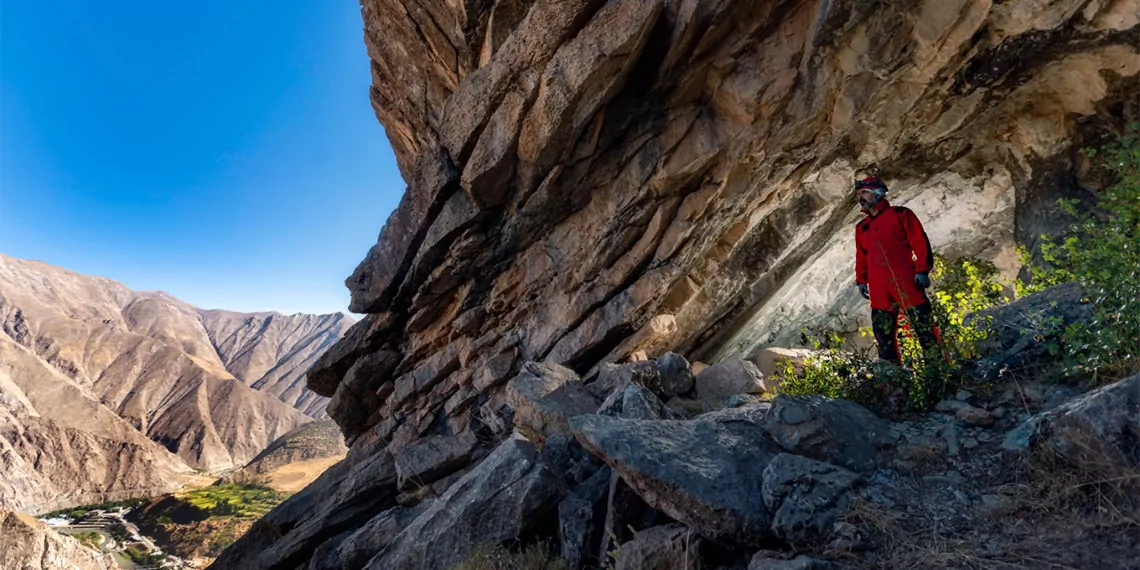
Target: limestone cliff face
{"type": "Point", "coordinates": [590, 178]}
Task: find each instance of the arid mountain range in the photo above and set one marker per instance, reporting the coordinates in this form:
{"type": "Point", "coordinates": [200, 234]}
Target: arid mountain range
{"type": "Point", "coordinates": [107, 392]}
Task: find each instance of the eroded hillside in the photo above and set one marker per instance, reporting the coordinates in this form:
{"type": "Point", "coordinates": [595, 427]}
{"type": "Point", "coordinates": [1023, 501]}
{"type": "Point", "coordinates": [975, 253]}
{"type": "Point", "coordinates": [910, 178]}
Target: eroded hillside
{"type": "Point", "coordinates": [108, 393]}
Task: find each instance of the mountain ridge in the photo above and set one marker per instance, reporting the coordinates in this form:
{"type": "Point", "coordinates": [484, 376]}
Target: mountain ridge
{"type": "Point", "coordinates": [88, 367]}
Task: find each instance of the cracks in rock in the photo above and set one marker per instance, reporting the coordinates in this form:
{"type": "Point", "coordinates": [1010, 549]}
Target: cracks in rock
{"type": "Point", "coordinates": [588, 355]}
{"type": "Point", "coordinates": [735, 317]}
{"type": "Point", "coordinates": [1002, 68]}
{"type": "Point", "coordinates": [454, 63]}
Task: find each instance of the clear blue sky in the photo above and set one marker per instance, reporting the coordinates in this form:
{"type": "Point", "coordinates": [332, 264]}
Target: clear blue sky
{"type": "Point", "coordinates": [223, 151]}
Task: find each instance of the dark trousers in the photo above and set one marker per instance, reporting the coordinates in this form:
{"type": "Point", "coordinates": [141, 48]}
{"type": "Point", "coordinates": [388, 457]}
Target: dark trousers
{"type": "Point", "coordinates": [886, 326]}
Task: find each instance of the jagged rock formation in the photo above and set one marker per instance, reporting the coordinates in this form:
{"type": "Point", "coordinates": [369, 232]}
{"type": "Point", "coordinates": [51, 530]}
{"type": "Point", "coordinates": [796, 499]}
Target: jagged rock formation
{"type": "Point", "coordinates": [577, 194]}
{"type": "Point", "coordinates": [592, 181]}
{"type": "Point", "coordinates": [99, 385]}
{"type": "Point", "coordinates": [31, 545]}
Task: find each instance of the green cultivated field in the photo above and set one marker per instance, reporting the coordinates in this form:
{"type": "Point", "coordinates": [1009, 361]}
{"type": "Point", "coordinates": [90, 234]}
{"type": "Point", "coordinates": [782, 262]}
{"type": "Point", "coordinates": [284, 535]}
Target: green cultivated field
{"type": "Point", "coordinates": [243, 500]}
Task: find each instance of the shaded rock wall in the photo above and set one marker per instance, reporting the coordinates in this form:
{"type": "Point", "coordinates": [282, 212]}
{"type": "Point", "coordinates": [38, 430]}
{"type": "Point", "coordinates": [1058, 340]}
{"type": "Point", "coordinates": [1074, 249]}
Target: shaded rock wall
{"type": "Point", "coordinates": [587, 179]}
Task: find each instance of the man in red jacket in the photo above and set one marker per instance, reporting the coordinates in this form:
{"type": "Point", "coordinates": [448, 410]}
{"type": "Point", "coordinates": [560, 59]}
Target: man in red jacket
{"type": "Point", "coordinates": [893, 260]}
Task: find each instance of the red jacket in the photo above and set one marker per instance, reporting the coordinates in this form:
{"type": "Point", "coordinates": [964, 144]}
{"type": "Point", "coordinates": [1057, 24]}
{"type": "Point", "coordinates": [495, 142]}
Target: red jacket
{"type": "Point", "coordinates": [890, 247]}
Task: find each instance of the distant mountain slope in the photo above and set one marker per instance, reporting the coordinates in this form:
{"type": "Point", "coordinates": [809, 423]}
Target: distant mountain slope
{"type": "Point", "coordinates": [148, 361]}
{"type": "Point", "coordinates": [271, 352]}
{"type": "Point", "coordinates": [294, 459]}
{"type": "Point", "coordinates": [59, 447]}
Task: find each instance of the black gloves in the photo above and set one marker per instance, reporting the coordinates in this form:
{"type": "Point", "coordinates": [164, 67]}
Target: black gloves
{"type": "Point", "coordinates": [922, 280]}
{"type": "Point", "coordinates": [864, 291]}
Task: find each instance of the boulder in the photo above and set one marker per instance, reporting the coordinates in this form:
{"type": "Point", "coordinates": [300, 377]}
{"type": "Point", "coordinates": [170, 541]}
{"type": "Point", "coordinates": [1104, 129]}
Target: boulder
{"type": "Point", "coordinates": [565, 456]}
{"type": "Point", "coordinates": [1098, 429]}
{"type": "Point", "coordinates": [1103, 424]}
{"type": "Point", "coordinates": [834, 431]}
{"type": "Point", "coordinates": [544, 396]}
{"type": "Point", "coordinates": [951, 406]}
{"type": "Point", "coordinates": [1017, 334]}
{"type": "Point", "coordinates": [704, 473]}
{"type": "Point", "coordinates": [365, 542]}
{"type": "Point", "coordinates": [805, 497]}
{"type": "Point", "coordinates": [492, 503]}
{"type": "Point", "coordinates": [640, 404]}
{"type": "Point", "coordinates": [666, 547]}
{"type": "Point", "coordinates": [613, 378]}
{"type": "Point", "coordinates": [581, 518]}
{"type": "Point", "coordinates": [753, 412]}
{"type": "Point", "coordinates": [433, 458]}
{"type": "Point", "coordinates": [728, 378]}
{"type": "Point", "coordinates": [975, 416]}
{"type": "Point", "coordinates": [771, 362]}
{"type": "Point", "coordinates": [676, 375]}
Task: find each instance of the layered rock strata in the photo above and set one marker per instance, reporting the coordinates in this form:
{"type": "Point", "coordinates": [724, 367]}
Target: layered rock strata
{"type": "Point", "coordinates": [589, 180]}
{"type": "Point", "coordinates": [595, 181]}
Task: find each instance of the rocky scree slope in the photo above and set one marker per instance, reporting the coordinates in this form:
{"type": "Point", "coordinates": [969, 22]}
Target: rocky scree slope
{"type": "Point", "coordinates": [107, 392]}
{"type": "Point", "coordinates": [590, 181]}
{"type": "Point", "coordinates": [270, 352]}
{"type": "Point", "coordinates": [59, 446]}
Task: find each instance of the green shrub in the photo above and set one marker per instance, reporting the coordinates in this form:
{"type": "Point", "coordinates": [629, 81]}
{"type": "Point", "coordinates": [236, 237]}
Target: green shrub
{"type": "Point", "coordinates": [90, 539]}
{"type": "Point", "coordinates": [962, 288]}
{"type": "Point", "coordinates": [1102, 252]}
{"type": "Point", "coordinates": [839, 369]}
{"type": "Point", "coordinates": [143, 556]}
{"type": "Point", "coordinates": [246, 500]}
{"type": "Point", "coordinates": [225, 508]}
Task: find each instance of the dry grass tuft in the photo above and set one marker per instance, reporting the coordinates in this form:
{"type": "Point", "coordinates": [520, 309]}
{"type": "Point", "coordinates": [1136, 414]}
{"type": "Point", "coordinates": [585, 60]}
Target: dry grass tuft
{"type": "Point", "coordinates": [534, 557]}
{"type": "Point", "coordinates": [1101, 493]}
{"type": "Point", "coordinates": [920, 459]}
{"type": "Point", "coordinates": [1057, 514]}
